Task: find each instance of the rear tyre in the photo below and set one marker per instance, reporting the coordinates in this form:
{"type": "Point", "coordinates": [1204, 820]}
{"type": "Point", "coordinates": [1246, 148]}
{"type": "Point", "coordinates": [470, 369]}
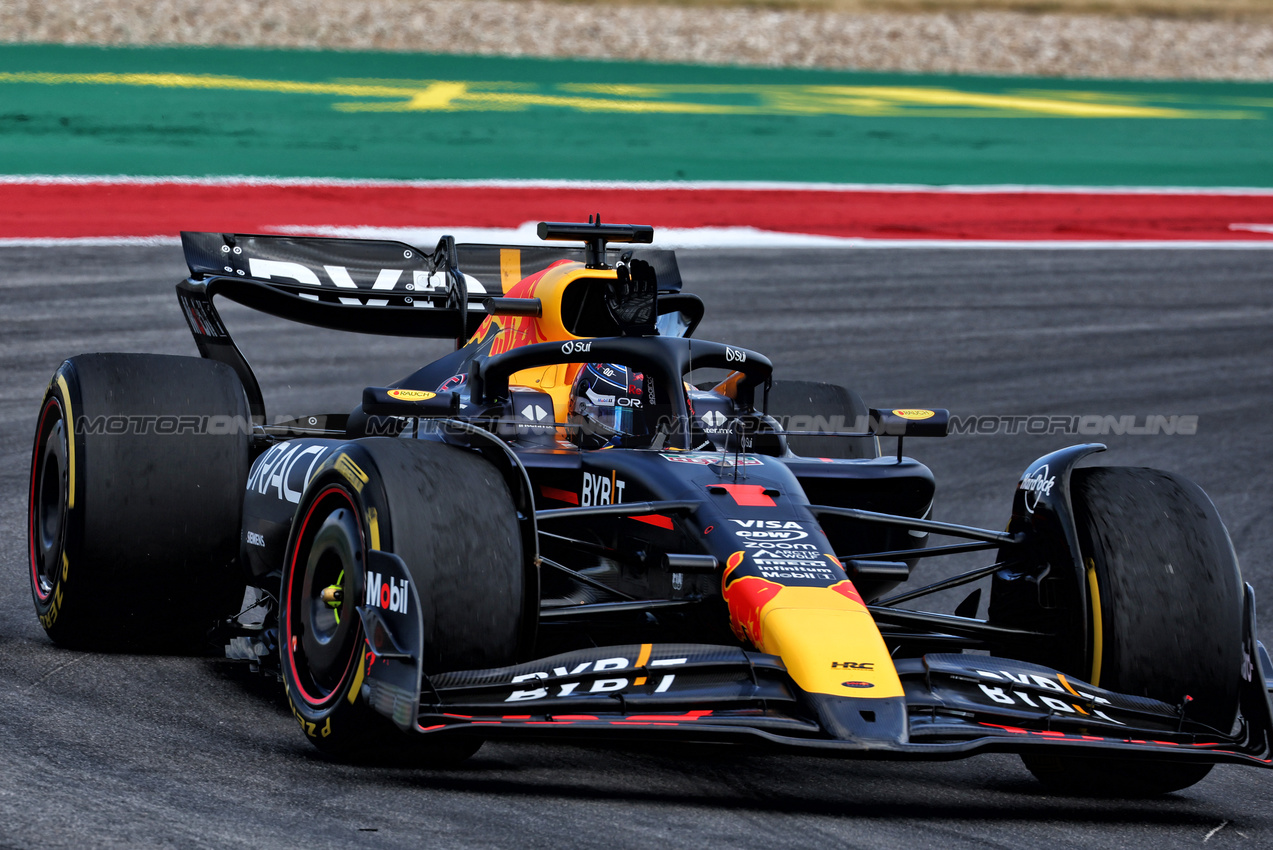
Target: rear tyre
{"type": "Point", "coordinates": [137, 481]}
{"type": "Point", "coordinates": [449, 515]}
{"type": "Point", "coordinates": [815, 406]}
{"type": "Point", "coordinates": [1166, 597]}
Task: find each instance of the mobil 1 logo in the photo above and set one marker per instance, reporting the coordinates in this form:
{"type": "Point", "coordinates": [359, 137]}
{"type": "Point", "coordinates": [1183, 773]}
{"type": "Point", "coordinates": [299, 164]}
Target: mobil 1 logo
{"type": "Point", "coordinates": [387, 593]}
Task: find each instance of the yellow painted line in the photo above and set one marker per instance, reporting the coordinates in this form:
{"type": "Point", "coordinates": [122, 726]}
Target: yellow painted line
{"type": "Point", "coordinates": [510, 268]}
{"type": "Point", "coordinates": [209, 82]}
{"type": "Point", "coordinates": [70, 442]}
{"type": "Point", "coordinates": [1070, 688]}
{"type": "Point", "coordinates": [1098, 646]}
{"type": "Point", "coordinates": [1158, 97]}
{"type": "Point", "coordinates": [1048, 106]}
{"type": "Point", "coordinates": [822, 98]}
{"type": "Point", "coordinates": [430, 97]}
{"type": "Point", "coordinates": [495, 101]}
{"type": "Point", "coordinates": [356, 686]}
{"type": "Point", "coordinates": [439, 96]}
{"type": "Point", "coordinates": [688, 99]}
{"type": "Point", "coordinates": [373, 527]}
{"type": "Point", "coordinates": [642, 659]}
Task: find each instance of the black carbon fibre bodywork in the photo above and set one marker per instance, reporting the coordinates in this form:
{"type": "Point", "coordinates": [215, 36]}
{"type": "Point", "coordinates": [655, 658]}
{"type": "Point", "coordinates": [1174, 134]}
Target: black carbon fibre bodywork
{"type": "Point", "coordinates": [631, 630]}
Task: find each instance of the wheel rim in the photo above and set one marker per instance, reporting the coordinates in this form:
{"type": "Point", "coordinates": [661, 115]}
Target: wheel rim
{"type": "Point", "coordinates": [323, 633]}
{"type": "Point", "coordinates": [49, 500]}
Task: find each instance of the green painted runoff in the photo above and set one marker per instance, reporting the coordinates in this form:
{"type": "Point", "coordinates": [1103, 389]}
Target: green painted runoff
{"type": "Point", "coordinates": [290, 113]}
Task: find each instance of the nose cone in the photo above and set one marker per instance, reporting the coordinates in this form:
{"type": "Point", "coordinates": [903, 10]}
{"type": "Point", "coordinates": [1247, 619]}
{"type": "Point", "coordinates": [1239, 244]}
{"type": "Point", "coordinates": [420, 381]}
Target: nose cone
{"type": "Point", "coordinates": [828, 642]}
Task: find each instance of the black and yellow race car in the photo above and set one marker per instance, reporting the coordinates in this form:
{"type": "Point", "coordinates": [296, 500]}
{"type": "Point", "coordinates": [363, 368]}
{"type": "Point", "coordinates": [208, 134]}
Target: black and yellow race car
{"type": "Point", "coordinates": [586, 522]}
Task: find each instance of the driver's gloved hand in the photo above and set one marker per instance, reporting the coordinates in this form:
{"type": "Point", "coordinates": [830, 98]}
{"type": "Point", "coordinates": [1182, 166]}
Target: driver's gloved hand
{"type": "Point", "coordinates": [631, 298]}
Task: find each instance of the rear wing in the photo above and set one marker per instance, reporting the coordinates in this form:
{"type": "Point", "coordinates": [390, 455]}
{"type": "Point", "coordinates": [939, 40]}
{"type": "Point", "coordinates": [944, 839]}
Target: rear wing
{"type": "Point", "coordinates": [361, 285]}
{"type": "Point", "coordinates": [287, 276]}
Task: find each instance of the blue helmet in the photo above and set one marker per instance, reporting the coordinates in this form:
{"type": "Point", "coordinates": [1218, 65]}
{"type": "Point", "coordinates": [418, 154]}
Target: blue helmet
{"type": "Point", "coordinates": [608, 406]}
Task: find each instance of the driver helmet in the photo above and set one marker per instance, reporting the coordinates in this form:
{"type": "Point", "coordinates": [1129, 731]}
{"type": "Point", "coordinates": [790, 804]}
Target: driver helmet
{"type": "Point", "coordinates": [608, 406]}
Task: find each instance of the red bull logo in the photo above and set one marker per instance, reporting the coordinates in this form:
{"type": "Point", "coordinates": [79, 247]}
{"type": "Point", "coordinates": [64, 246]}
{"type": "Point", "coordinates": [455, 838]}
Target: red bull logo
{"type": "Point", "coordinates": [746, 598]}
{"type": "Point", "coordinates": [515, 331]}
{"type": "Point", "coordinates": [813, 626]}
{"type": "Point", "coordinates": [847, 590]}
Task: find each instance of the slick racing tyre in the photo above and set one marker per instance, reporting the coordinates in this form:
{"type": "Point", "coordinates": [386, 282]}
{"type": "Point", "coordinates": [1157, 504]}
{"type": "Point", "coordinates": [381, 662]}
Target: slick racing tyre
{"type": "Point", "coordinates": [136, 490]}
{"type": "Point", "coordinates": [447, 513]}
{"type": "Point", "coordinates": [1166, 613]}
{"type": "Point", "coordinates": [815, 406]}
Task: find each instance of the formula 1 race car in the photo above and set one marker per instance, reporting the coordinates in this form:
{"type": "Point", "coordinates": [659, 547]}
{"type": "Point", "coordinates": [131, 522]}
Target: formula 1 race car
{"type": "Point", "coordinates": [585, 522]}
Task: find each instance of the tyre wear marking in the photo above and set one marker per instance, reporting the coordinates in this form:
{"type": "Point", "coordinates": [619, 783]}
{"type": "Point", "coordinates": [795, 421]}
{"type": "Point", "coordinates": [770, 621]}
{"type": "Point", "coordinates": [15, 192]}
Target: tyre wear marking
{"type": "Point", "coordinates": [1094, 591]}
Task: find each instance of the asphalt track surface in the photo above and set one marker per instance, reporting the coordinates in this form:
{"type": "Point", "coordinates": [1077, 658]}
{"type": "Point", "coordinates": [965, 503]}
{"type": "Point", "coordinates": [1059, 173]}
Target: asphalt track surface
{"type": "Point", "coordinates": [127, 750]}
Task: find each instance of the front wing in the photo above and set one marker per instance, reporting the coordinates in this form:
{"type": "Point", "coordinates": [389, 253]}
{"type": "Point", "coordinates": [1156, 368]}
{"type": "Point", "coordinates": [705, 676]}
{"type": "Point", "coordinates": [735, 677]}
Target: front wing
{"type": "Point", "coordinates": [953, 705]}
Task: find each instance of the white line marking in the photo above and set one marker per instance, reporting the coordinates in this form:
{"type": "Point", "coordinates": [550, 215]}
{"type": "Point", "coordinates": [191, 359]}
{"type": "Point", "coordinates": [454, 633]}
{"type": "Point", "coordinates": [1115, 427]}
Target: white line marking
{"type": "Point", "coordinates": [85, 241]}
{"type": "Point", "coordinates": [651, 185]}
{"type": "Point", "coordinates": [1214, 831]}
{"type": "Point", "coordinates": [750, 237]}
{"type": "Point", "coordinates": [684, 239]}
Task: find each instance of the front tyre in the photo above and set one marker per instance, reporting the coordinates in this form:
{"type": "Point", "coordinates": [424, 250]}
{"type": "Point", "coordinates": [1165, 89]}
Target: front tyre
{"type": "Point", "coordinates": [1165, 621]}
{"type": "Point", "coordinates": [448, 514]}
